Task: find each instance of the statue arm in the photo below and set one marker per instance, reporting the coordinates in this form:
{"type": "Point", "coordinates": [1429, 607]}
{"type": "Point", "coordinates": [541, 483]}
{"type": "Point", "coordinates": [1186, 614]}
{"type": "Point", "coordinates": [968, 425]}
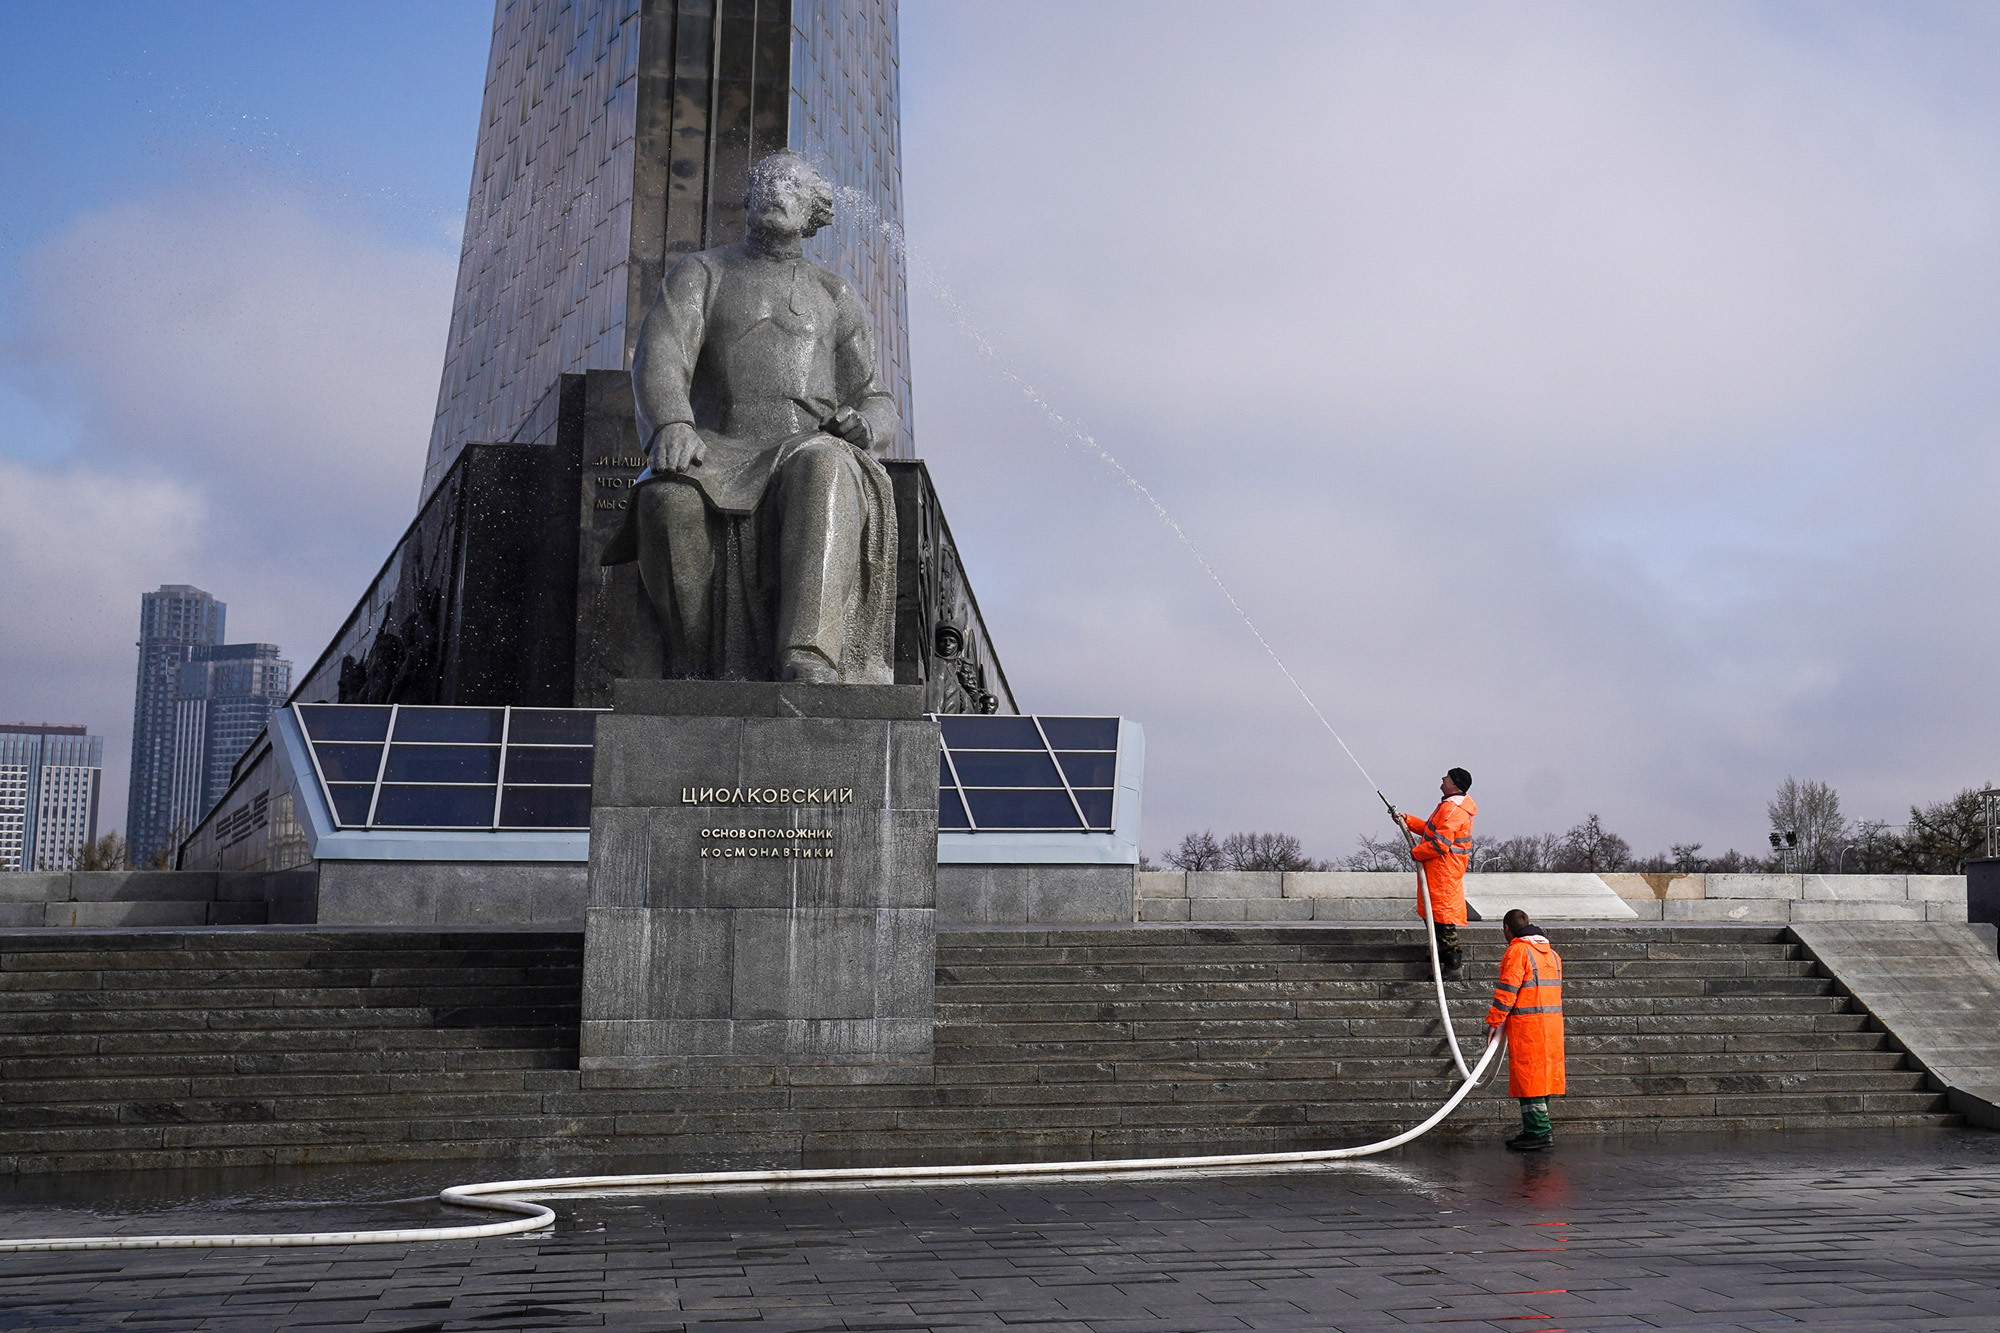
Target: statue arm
{"type": "Point", "coordinates": [669, 345]}
{"type": "Point", "coordinates": [856, 375]}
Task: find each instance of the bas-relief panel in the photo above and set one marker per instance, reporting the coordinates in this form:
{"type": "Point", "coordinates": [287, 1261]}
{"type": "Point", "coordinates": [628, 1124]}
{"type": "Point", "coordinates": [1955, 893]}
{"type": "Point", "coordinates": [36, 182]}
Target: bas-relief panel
{"type": "Point", "coordinates": [254, 827]}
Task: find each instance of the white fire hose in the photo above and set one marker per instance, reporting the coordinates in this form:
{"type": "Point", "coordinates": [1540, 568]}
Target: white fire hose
{"type": "Point", "coordinates": [507, 1196]}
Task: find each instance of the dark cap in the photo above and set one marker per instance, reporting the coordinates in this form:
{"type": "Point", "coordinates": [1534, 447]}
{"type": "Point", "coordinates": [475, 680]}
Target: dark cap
{"type": "Point", "coordinates": [1459, 778]}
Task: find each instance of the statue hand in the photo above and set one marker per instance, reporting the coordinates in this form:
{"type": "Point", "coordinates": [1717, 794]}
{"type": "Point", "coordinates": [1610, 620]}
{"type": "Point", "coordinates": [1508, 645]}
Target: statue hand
{"type": "Point", "coordinates": [851, 426]}
{"type": "Point", "coordinates": [677, 448]}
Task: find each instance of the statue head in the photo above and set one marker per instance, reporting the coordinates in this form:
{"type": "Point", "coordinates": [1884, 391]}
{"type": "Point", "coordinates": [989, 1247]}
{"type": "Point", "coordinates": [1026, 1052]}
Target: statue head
{"type": "Point", "coordinates": [787, 196]}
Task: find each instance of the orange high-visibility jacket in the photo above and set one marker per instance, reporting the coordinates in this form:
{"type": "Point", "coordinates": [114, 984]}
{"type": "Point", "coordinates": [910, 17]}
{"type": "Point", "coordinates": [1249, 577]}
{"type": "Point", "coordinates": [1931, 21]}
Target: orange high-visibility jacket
{"type": "Point", "coordinates": [1529, 1000]}
{"type": "Point", "coordinates": [1444, 845]}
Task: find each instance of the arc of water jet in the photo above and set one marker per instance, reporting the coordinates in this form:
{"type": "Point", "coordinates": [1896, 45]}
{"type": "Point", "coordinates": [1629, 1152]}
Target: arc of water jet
{"type": "Point", "coordinates": [945, 296]}
{"type": "Point", "coordinates": [943, 293]}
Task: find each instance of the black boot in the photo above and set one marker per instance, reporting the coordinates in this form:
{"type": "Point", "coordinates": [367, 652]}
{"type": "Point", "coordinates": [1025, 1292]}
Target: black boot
{"type": "Point", "coordinates": [1453, 961]}
{"type": "Point", "coordinates": [1526, 1142]}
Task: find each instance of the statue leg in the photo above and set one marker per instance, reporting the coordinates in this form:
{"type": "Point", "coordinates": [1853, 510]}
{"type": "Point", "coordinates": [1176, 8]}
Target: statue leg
{"type": "Point", "coordinates": [819, 559]}
{"type": "Point", "coordinates": [677, 564]}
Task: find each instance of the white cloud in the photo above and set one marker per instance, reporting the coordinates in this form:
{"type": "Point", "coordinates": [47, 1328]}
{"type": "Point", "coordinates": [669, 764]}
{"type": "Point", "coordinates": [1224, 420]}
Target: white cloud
{"type": "Point", "coordinates": [248, 382]}
{"type": "Point", "coordinates": [1594, 397]}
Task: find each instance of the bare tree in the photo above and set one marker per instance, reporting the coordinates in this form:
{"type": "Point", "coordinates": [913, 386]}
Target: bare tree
{"type": "Point", "coordinates": [1592, 847]}
{"type": "Point", "coordinates": [1378, 854]}
{"type": "Point", "coordinates": [1266, 851]}
{"type": "Point", "coordinates": [107, 853]}
{"type": "Point", "coordinates": [1870, 847]}
{"type": "Point", "coordinates": [1198, 851]}
{"type": "Point", "coordinates": [1812, 810]}
{"type": "Point", "coordinates": [1524, 854]}
{"type": "Point", "coordinates": [1687, 858]}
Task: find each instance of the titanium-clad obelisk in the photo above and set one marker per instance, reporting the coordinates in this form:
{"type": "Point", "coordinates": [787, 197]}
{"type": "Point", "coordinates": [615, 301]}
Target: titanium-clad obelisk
{"type": "Point", "coordinates": [616, 136]}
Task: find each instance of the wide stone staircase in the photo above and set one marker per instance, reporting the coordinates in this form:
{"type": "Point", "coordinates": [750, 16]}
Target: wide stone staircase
{"type": "Point", "coordinates": [1330, 1036]}
{"type": "Point", "coordinates": [151, 1048]}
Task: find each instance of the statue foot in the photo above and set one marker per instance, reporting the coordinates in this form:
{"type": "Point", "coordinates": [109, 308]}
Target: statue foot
{"type": "Point", "coordinates": [807, 667]}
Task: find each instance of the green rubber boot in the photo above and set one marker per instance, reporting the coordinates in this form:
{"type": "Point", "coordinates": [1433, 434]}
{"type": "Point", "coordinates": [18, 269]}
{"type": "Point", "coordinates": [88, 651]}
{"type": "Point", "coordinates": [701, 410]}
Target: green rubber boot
{"type": "Point", "coordinates": [1536, 1131]}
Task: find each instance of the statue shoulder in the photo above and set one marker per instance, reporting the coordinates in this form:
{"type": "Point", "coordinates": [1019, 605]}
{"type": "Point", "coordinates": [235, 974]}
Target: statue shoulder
{"type": "Point", "coordinates": [697, 266]}
{"type": "Point", "coordinates": [838, 289]}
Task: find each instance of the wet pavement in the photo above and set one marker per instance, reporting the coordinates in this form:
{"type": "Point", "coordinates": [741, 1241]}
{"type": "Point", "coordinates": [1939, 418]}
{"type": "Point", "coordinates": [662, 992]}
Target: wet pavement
{"type": "Point", "coordinates": [1898, 1231]}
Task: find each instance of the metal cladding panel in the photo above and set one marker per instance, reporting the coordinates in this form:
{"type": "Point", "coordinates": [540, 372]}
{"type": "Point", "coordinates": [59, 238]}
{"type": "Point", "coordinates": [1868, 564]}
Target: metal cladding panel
{"type": "Point", "coordinates": [542, 281]}
{"type": "Point", "coordinates": [616, 136]}
{"type": "Point", "coordinates": [846, 120]}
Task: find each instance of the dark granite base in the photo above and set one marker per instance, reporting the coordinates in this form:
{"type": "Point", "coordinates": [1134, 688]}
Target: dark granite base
{"type": "Point", "coordinates": [762, 886]}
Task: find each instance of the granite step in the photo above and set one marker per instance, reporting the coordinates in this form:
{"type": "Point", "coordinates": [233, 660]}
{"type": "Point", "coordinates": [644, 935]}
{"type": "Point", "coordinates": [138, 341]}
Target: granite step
{"type": "Point", "coordinates": [216, 1047]}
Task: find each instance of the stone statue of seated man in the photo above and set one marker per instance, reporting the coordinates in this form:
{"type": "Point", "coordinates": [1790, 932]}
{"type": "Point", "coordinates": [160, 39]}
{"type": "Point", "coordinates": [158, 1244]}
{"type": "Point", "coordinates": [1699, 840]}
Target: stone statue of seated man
{"type": "Point", "coordinates": [763, 525]}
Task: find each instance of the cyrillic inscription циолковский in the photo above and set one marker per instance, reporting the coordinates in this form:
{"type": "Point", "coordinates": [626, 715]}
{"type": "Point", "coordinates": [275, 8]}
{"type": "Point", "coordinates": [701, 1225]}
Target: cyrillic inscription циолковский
{"type": "Point", "coordinates": [767, 795]}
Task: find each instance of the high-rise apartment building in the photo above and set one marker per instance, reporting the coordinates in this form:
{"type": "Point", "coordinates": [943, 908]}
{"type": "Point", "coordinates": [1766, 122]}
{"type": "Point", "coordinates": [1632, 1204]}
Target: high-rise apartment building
{"type": "Point", "coordinates": [50, 780]}
{"type": "Point", "coordinates": [225, 696]}
{"type": "Point", "coordinates": [173, 623]}
{"type": "Point", "coordinates": [615, 137]}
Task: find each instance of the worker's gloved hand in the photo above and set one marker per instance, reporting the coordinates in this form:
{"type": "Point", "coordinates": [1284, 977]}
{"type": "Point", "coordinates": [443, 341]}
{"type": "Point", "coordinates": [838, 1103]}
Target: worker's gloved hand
{"type": "Point", "coordinates": [1492, 1033]}
{"type": "Point", "coordinates": [1395, 814]}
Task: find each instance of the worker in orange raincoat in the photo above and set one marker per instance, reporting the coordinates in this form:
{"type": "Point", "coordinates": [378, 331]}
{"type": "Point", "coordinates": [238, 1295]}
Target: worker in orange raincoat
{"type": "Point", "coordinates": [1443, 847]}
{"type": "Point", "coordinates": [1529, 1002]}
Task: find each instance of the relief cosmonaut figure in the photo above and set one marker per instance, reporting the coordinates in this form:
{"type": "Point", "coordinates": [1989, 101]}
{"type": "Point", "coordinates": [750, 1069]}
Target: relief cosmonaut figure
{"type": "Point", "coordinates": [763, 525]}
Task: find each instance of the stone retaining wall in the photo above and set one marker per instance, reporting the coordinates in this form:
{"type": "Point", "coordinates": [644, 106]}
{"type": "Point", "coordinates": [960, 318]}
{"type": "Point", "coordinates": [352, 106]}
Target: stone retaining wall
{"type": "Point", "coordinates": [1361, 896]}
{"type": "Point", "coordinates": [114, 898]}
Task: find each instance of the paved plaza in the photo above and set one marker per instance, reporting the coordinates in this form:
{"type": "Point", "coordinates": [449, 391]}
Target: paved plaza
{"type": "Point", "coordinates": [1832, 1232]}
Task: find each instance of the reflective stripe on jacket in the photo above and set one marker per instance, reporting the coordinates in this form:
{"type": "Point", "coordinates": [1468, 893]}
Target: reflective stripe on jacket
{"type": "Point", "coordinates": [1529, 1000]}
{"type": "Point", "coordinates": [1444, 845]}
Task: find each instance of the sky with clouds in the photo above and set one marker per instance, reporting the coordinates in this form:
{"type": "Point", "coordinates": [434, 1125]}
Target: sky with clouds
{"type": "Point", "coordinates": [1597, 397]}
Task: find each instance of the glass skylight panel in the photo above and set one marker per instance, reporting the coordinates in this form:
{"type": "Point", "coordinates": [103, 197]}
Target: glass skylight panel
{"type": "Point", "coordinates": [545, 807]}
{"type": "Point", "coordinates": [1005, 809]}
{"type": "Point", "coordinates": [450, 724]}
{"type": "Point", "coordinates": [443, 763]}
{"type": "Point", "coordinates": [1081, 733]}
{"type": "Point", "coordinates": [1006, 768]}
{"type": "Point", "coordinates": [410, 806]}
{"type": "Point", "coordinates": [387, 766]}
{"type": "Point", "coordinates": [552, 726]}
{"type": "Point", "coordinates": [350, 804]}
{"type": "Point", "coordinates": [1089, 768]}
{"type": "Point", "coordinates": [452, 768]}
{"type": "Point", "coordinates": [1028, 774]}
{"type": "Point", "coordinates": [349, 763]}
{"type": "Point", "coordinates": [991, 733]}
{"type": "Point", "coordinates": [345, 722]}
{"type": "Point", "coordinates": [548, 764]}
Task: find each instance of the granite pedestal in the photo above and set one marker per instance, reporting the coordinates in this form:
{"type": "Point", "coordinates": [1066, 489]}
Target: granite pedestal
{"type": "Point", "coordinates": [763, 876]}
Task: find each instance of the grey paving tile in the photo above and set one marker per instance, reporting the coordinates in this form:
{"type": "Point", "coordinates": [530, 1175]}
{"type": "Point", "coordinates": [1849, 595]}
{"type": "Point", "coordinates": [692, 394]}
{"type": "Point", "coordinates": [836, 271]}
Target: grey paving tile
{"type": "Point", "coordinates": [1836, 1233]}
